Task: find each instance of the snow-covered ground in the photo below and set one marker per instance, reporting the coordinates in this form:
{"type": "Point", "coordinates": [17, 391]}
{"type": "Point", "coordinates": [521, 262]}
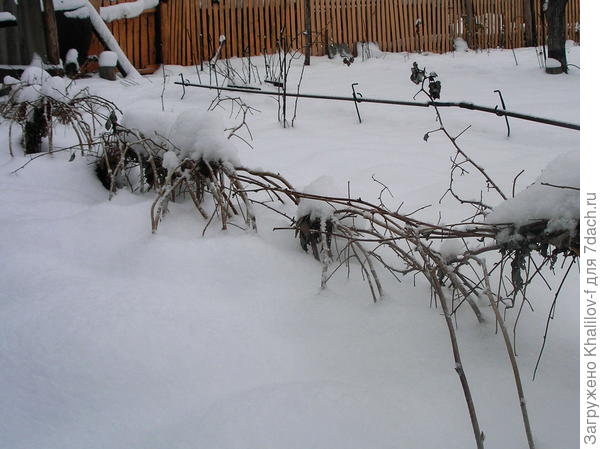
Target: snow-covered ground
{"type": "Point", "coordinates": [112, 337]}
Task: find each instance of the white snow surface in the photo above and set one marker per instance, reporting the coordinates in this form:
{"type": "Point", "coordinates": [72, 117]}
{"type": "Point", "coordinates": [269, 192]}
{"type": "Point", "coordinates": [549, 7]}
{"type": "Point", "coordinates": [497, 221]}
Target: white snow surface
{"type": "Point", "coordinates": [35, 82]}
{"type": "Point", "coordinates": [72, 57]}
{"type": "Point", "coordinates": [150, 123]}
{"type": "Point", "coordinates": [369, 50]}
{"type": "Point", "coordinates": [460, 44]}
{"type": "Point", "coordinates": [9, 80]}
{"type": "Point", "coordinates": [7, 17]}
{"type": "Point", "coordinates": [547, 198]}
{"type": "Point", "coordinates": [127, 10]}
{"type": "Point", "coordinates": [190, 134]}
{"type": "Point", "coordinates": [113, 337]}
{"type": "Point", "coordinates": [198, 134]}
{"type": "Point", "coordinates": [322, 186]}
{"type": "Point", "coordinates": [553, 63]}
{"type": "Point", "coordinates": [68, 5]}
{"type": "Point", "coordinates": [35, 75]}
{"type": "Point", "coordinates": [107, 59]}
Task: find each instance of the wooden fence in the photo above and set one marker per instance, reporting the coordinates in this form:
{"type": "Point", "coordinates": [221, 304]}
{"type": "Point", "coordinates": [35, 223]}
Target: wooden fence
{"type": "Point", "coordinates": [189, 30]}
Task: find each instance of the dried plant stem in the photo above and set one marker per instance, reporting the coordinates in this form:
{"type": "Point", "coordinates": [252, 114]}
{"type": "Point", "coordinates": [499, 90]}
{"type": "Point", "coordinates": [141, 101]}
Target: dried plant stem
{"type": "Point", "coordinates": [457, 360]}
{"type": "Point", "coordinates": [509, 349]}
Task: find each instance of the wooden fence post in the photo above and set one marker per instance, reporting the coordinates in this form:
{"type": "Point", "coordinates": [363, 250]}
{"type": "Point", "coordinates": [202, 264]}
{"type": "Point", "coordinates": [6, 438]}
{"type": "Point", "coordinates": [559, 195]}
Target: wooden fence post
{"type": "Point", "coordinates": [528, 19]}
{"type": "Point", "coordinates": [468, 7]}
{"type": "Point", "coordinates": [307, 31]}
{"type": "Point", "coordinates": [52, 50]}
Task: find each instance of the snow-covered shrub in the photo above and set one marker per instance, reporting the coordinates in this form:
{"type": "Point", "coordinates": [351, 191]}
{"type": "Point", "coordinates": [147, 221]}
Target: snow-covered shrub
{"type": "Point", "coordinates": [175, 155]}
{"type": "Point", "coordinates": [314, 218]}
{"type": "Point", "coordinates": [38, 102]}
{"type": "Point", "coordinates": [545, 216]}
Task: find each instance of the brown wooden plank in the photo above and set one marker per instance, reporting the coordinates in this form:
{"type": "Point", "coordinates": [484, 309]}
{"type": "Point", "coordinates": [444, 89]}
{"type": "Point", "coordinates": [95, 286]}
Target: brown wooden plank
{"type": "Point", "coordinates": [180, 34]}
{"type": "Point", "coordinates": [261, 27]}
{"type": "Point", "coordinates": [403, 44]}
{"type": "Point", "coordinates": [186, 51]}
{"type": "Point", "coordinates": [355, 20]}
{"type": "Point", "coordinates": [315, 23]}
{"type": "Point", "coordinates": [378, 27]}
{"type": "Point", "coordinates": [384, 25]}
{"type": "Point", "coordinates": [424, 34]}
{"type": "Point", "coordinates": [338, 21]}
{"type": "Point", "coordinates": [480, 23]}
{"type": "Point", "coordinates": [230, 28]}
{"type": "Point", "coordinates": [222, 30]}
{"type": "Point", "coordinates": [202, 27]}
{"type": "Point", "coordinates": [136, 37]}
{"type": "Point", "coordinates": [146, 43]}
{"type": "Point", "coordinates": [254, 29]}
{"type": "Point", "coordinates": [395, 20]}
{"type": "Point", "coordinates": [164, 34]}
{"type": "Point", "coordinates": [174, 20]}
{"type": "Point", "coordinates": [173, 37]}
{"type": "Point", "coordinates": [410, 29]}
{"type": "Point", "coordinates": [446, 26]}
{"type": "Point", "coordinates": [389, 20]}
{"type": "Point", "coordinates": [438, 26]}
{"type": "Point", "coordinates": [267, 27]}
{"type": "Point", "coordinates": [343, 21]}
{"type": "Point", "coordinates": [271, 26]}
{"type": "Point", "coordinates": [289, 23]}
{"type": "Point", "coordinates": [199, 31]}
{"type": "Point", "coordinates": [216, 29]}
{"type": "Point", "coordinates": [322, 23]}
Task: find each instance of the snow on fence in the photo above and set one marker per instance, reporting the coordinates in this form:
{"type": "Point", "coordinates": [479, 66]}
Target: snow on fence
{"type": "Point", "coordinates": [188, 31]}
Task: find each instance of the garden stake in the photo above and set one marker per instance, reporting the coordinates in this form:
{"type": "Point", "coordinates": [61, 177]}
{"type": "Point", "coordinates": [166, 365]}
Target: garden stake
{"type": "Point", "coordinates": [357, 99]}
{"type": "Point", "coordinates": [504, 108]}
{"type": "Point", "coordinates": [183, 83]}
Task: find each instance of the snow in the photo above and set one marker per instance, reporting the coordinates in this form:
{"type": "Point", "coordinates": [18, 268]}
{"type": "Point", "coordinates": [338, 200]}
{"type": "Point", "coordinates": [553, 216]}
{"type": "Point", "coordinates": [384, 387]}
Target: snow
{"type": "Point", "coordinates": [369, 50]}
{"type": "Point", "coordinates": [79, 13]}
{"type": "Point", "coordinates": [460, 44]}
{"type": "Point", "coordinates": [190, 134]}
{"type": "Point", "coordinates": [198, 134]}
{"type": "Point", "coordinates": [127, 10]}
{"type": "Point", "coordinates": [72, 57]}
{"type": "Point", "coordinates": [9, 80]}
{"type": "Point", "coordinates": [114, 337]}
{"type": "Point", "coordinates": [107, 59]}
{"type": "Point", "coordinates": [68, 5]}
{"type": "Point", "coordinates": [151, 124]}
{"type": "Point", "coordinates": [322, 186]}
{"type": "Point", "coordinates": [552, 63]}
{"type": "Point", "coordinates": [170, 160]}
{"type": "Point", "coordinates": [35, 75]}
{"type": "Point", "coordinates": [7, 17]}
{"type": "Point", "coordinates": [449, 249]}
{"type": "Point", "coordinates": [547, 198]}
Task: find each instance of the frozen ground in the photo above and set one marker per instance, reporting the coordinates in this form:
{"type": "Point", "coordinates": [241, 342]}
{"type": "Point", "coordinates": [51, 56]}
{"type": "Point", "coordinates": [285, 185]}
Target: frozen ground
{"type": "Point", "coordinates": [115, 338]}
